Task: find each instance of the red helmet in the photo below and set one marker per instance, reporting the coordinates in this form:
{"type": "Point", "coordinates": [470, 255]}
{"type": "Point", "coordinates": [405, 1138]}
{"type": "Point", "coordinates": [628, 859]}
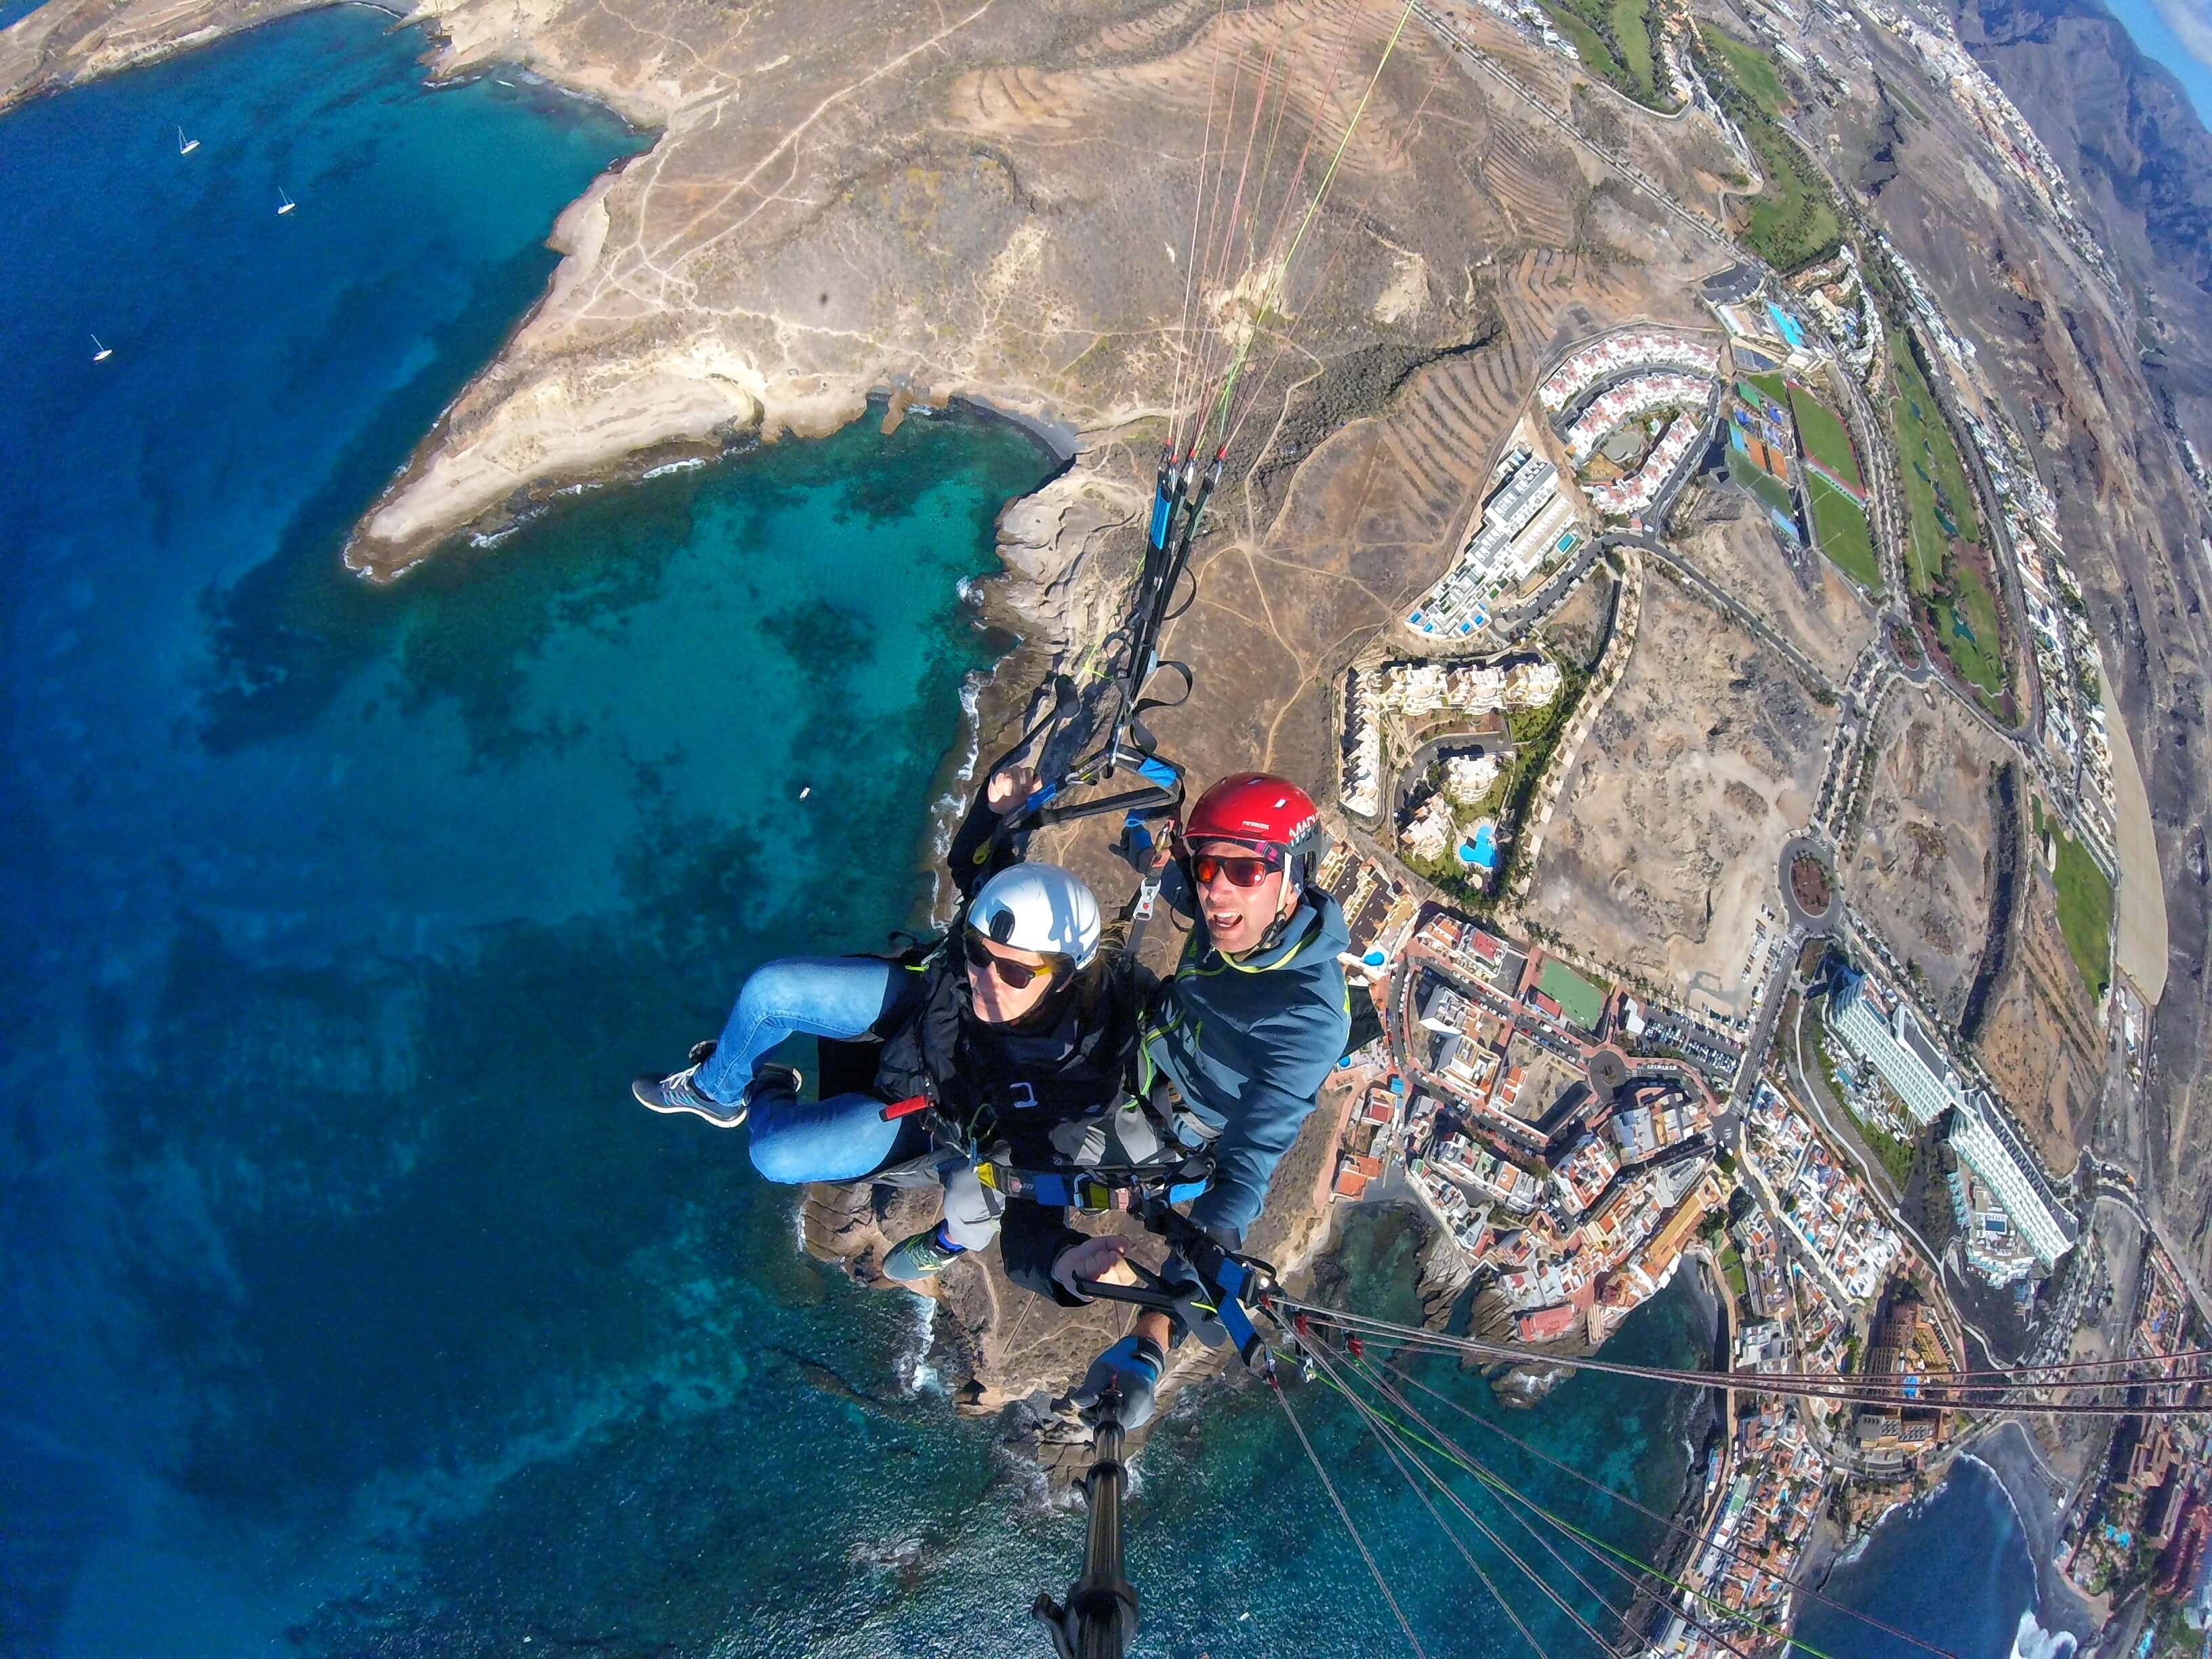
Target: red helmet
{"type": "Point", "coordinates": [1259, 808]}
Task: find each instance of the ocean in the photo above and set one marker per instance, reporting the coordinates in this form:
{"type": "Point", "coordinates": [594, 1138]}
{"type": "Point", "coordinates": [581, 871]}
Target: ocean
{"type": "Point", "coordinates": [351, 1306]}
{"type": "Point", "coordinates": [1952, 1569]}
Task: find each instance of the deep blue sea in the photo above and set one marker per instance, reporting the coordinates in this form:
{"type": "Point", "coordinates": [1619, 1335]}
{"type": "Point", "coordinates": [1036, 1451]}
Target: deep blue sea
{"type": "Point", "coordinates": [1952, 1569]}
{"type": "Point", "coordinates": [347, 1304]}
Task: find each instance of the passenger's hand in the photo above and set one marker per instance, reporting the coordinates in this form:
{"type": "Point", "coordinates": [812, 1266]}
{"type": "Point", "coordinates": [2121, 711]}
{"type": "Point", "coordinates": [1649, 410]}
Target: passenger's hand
{"type": "Point", "coordinates": [1131, 1368]}
{"type": "Point", "coordinates": [1096, 1259]}
{"type": "Point", "coordinates": [1004, 791]}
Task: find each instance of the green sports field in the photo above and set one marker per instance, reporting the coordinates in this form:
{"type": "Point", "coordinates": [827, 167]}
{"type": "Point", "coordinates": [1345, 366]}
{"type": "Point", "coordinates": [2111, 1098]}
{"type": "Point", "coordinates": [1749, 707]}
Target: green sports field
{"type": "Point", "coordinates": [2085, 903]}
{"type": "Point", "coordinates": [1769, 488]}
{"type": "Point", "coordinates": [1840, 526]}
{"type": "Point", "coordinates": [1824, 436]}
{"type": "Point", "coordinates": [1582, 1002]}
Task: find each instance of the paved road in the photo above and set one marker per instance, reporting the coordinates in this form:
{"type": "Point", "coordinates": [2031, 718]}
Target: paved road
{"type": "Point", "coordinates": [1764, 1014]}
{"type": "Point", "coordinates": [1444, 30]}
{"type": "Point", "coordinates": [1717, 595]}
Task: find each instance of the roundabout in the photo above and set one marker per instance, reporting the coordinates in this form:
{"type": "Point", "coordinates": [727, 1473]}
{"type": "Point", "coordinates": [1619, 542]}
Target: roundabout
{"type": "Point", "coordinates": [1809, 884]}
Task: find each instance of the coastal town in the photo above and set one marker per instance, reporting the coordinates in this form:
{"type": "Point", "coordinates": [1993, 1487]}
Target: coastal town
{"type": "Point", "coordinates": [1711, 498]}
{"type": "Point", "coordinates": [1576, 1131]}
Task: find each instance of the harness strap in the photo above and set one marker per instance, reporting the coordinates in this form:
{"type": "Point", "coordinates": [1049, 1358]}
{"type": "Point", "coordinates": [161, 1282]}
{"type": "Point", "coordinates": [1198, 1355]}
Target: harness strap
{"type": "Point", "coordinates": [1094, 1193]}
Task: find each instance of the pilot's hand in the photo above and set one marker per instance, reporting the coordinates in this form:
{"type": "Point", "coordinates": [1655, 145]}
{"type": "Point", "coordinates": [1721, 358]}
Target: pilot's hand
{"type": "Point", "coordinates": [1096, 1259]}
{"type": "Point", "coordinates": [1004, 791]}
{"type": "Point", "coordinates": [1130, 1369]}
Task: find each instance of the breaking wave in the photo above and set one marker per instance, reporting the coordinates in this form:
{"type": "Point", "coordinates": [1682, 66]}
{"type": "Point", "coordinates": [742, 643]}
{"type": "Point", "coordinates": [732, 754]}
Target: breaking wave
{"type": "Point", "coordinates": [911, 1365]}
{"type": "Point", "coordinates": [2031, 1641]}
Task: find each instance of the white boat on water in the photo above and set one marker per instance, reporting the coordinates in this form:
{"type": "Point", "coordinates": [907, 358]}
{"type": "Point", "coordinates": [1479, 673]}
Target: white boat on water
{"type": "Point", "coordinates": [185, 146]}
{"type": "Point", "coordinates": [286, 203]}
{"type": "Point", "coordinates": [101, 354]}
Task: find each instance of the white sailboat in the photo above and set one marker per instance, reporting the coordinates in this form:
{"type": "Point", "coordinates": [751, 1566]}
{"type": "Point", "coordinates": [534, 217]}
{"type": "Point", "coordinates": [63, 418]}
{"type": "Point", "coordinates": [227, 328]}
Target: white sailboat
{"type": "Point", "coordinates": [101, 354]}
{"type": "Point", "coordinates": [185, 146]}
{"type": "Point", "coordinates": [286, 201]}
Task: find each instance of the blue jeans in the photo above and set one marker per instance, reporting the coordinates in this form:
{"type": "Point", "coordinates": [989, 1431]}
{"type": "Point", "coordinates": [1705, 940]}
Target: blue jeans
{"type": "Point", "coordinates": [793, 1140]}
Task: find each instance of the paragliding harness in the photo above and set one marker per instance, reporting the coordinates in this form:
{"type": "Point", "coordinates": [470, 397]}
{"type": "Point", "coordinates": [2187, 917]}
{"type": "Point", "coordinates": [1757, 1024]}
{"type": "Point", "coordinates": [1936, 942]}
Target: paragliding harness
{"type": "Point", "coordinates": [1180, 492]}
{"type": "Point", "coordinates": [1176, 1173]}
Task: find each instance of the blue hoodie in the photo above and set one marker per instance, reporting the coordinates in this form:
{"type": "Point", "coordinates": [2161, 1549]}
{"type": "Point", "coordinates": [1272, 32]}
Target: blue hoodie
{"type": "Point", "coordinates": [1248, 1043]}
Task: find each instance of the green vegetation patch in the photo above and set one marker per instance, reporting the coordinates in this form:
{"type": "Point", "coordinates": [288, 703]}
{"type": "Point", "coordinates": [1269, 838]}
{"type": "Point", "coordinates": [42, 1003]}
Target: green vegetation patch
{"type": "Point", "coordinates": [1582, 1002]}
{"type": "Point", "coordinates": [1839, 524]}
{"type": "Point", "coordinates": [1794, 222]}
{"type": "Point", "coordinates": [1535, 733]}
{"type": "Point", "coordinates": [1953, 592]}
{"type": "Point", "coordinates": [1732, 1270]}
{"type": "Point", "coordinates": [1751, 70]}
{"type": "Point", "coordinates": [1614, 39]}
{"type": "Point", "coordinates": [2084, 901]}
{"type": "Point", "coordinates": [1964, 614]}
{"type": "Point", "coordinates": [1824, 435]}
{"type": "Point", "coordinates": [1936, 487]}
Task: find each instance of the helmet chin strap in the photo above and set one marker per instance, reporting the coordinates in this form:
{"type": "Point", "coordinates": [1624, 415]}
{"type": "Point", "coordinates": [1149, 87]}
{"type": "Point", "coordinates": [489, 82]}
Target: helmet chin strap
{"type": "Point", "coordinates": [1286, 906]}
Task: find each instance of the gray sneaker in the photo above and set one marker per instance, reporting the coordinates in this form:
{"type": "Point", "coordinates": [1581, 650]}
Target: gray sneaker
{"type": "Point", "coordinates": [679, 1093]}
{"type": "Point", "coordinates": [920, 1257]}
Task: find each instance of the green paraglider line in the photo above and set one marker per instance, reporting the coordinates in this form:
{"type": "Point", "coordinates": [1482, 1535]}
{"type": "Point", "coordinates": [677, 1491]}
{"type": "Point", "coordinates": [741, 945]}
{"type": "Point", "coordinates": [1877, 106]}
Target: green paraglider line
{"type": "Point", "coordinates": [1493, 1482]}
{"type": "Point", "coordinates": [1244, 346]}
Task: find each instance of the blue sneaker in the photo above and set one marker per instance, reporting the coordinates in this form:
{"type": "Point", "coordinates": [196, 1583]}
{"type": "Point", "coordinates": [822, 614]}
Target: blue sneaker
{"type": "Point", "coordinates": [923, 1256]}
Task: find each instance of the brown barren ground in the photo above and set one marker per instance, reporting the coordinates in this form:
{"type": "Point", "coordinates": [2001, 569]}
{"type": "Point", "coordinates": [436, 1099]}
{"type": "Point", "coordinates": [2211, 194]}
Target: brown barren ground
{"type": "Point", "coordinates": [1919, 871]}
{"type": "Point", "coordinates": [1666, 839]}
{"type": "Point", "coordinates": [1800, 597]}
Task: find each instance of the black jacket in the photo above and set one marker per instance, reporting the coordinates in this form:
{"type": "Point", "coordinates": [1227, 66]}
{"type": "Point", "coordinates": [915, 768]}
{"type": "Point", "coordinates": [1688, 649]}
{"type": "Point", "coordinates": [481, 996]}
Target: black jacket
{"type": "Point", "coordinates": [1013, 1083]}
{"type": "Point", "coordinates": [1020, 1083]}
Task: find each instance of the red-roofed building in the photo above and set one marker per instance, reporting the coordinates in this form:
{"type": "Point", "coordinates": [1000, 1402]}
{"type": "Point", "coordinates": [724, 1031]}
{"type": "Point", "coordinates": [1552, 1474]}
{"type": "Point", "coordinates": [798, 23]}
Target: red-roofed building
{"type": "Point", "coordinates": [1550, 1324]}
{"type": "Point", "coordinates": [1351, 1181]}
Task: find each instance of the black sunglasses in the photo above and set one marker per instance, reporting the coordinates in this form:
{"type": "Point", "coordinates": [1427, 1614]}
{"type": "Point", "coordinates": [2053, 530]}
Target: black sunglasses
{"type": "Point", "coordinates": [1015, 975]}
{"type": "Point", "coordinates": [1240, 872]}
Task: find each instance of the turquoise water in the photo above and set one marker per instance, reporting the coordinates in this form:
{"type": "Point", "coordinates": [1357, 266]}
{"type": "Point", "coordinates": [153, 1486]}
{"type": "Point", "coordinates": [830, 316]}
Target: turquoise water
{"type": "Point", "coordinates": [352, 1307]}
{"type": "Point", "coordinates": [1954, 1569]}
{"type": "Point", "coordinates": [1482, 846]}
{"type": "Point", "coordinates": [339, 916]}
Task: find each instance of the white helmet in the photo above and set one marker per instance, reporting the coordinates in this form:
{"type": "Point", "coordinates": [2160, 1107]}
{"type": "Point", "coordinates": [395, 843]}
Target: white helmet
{"type": "Point", "coordinates": [1040, 908]}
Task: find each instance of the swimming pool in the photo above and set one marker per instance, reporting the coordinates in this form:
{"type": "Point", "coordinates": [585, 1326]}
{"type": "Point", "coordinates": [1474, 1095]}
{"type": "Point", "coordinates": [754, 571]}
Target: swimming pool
{"type": "Point", "coordinates": [1481, 848]}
